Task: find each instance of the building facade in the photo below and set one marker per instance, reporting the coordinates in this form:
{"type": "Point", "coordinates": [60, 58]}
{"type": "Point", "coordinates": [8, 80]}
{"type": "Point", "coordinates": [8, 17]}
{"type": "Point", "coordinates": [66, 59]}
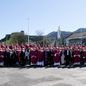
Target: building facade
{"type": "Point", "coordinates": [76, 38]}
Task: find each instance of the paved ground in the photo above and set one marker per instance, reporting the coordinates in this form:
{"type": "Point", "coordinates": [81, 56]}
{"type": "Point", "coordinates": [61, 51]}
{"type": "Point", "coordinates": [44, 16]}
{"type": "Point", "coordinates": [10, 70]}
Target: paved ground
{"type": "Point", "coordinates": [42, 77]}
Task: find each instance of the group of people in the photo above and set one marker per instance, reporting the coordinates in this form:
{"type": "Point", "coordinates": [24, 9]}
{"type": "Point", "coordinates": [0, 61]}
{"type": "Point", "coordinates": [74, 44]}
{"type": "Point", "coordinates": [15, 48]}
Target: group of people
{"type": "Point", "coordinates": [22, 55]}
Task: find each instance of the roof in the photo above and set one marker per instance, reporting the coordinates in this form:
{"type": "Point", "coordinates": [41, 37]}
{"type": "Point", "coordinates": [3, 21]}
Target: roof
{"type": "Point", "coordinates": [77, 35]}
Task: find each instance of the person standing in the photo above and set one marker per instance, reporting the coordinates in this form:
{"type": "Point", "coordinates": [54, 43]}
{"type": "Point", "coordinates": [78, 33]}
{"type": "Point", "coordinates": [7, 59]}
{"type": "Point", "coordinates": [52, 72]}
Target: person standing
{"type": "Point", "coordinates": [67, 55]}
{"type": "Point", "coordinates": [62, 60]}
{"type": "Point", "coordinates": [33, 56]}
{"type": "Point", "coordinates": [50, 57]}
{"type": "Point", "coordinates": [40, 59]}
{"type": "Point", "coordinates": [7, 57]}
{"type": "Point", "coordinates": [22, 57]}
{"type": "Point", "coordinates": [81, 57]}
{"type": "Point", "coordinates": [46, 57]}
{"type": "Point", "coordinates": [27, 53]}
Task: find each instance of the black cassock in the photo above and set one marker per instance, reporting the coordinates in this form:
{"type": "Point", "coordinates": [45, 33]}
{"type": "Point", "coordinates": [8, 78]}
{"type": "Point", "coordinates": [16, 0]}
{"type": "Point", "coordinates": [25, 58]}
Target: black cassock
{"type": "Point", "coordinates": [81, 58]}
{"type": "Point", "coordinates": [6, 58]}
{"type": "Point", "coordinates": [48, 58]}
{"type": "Point", "coordinates": [13, 58]}
{"type": "Point", "coordinates": [67, 54]}
{"type": "Point", "coordinates": [22, 58]}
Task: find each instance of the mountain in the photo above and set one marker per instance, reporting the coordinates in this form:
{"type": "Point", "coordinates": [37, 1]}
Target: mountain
{"type": "Point", "coordinates": [80, 30]}
{"type": "Point", "coordinates": [64, 34]}
{"type": "Point", "coordinates": [51, 36]}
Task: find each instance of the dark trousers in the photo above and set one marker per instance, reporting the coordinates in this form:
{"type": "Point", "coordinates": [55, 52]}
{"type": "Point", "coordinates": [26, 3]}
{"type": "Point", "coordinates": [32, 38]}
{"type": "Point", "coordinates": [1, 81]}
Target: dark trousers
{"type": "Point", "coordinates": [81, 61]}
{"type": "Point", "coordinates": [67, 60]}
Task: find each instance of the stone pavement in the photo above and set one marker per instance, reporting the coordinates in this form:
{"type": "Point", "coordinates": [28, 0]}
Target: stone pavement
{"type": "Point", "coordinates": [42, 77]}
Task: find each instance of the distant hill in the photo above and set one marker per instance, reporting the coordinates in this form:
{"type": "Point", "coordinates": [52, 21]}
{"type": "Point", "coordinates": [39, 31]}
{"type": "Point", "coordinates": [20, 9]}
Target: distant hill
{"type": "Point", "coordinates": [80, 30]}
{"type": "Point", "coordinates": [20, 37]}
{"type": "Point", "coordinates": [7, 37]}
{"type": "Point", "coordinates": [65, 34]}
{"type": "Point", "coordinates": [51, 36]}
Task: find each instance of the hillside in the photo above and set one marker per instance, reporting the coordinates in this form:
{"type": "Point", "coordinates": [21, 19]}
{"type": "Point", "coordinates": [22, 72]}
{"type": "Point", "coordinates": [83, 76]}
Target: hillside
{"type": "Point", "coordinates": [20, 37]}
{"type": "Point", "coordinates": [51, 36]}
{"type": "Point", "coordinates": [64, 34]}
{"type": "Point", "coordinates": [80, 30]}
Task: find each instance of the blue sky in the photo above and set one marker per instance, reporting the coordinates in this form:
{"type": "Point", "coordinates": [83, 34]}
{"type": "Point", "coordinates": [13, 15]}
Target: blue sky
{"type": "Point", "coordinates": [44, 15]}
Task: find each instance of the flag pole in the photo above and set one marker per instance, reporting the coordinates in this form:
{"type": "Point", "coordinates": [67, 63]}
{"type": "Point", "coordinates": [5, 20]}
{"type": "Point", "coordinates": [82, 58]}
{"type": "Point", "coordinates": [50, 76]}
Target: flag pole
{"type": "Point", "coordinates": [28, 30]}
{"type": "Point", "coordinates": [81, 36]}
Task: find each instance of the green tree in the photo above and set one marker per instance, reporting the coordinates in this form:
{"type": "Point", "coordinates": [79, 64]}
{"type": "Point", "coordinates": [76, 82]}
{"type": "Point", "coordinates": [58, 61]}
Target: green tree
{"type": "Point", "coordinates": [17, 38]}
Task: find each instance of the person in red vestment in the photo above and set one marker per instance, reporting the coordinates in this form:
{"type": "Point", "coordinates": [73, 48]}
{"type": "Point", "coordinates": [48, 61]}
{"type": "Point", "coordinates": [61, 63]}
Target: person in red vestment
{"type": "Point", "coordinates": [56, 57]}
{"type": "Point", "coordinates": [1, 57]}
{"type": "Point", "coordinates": [84, 55]}
{"type": "Point", "coordinates": [76, 56]}
{"type": "Point", "coordinates": [33, 56]}
{"type": "Point", "coordinates": [40, 57]}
